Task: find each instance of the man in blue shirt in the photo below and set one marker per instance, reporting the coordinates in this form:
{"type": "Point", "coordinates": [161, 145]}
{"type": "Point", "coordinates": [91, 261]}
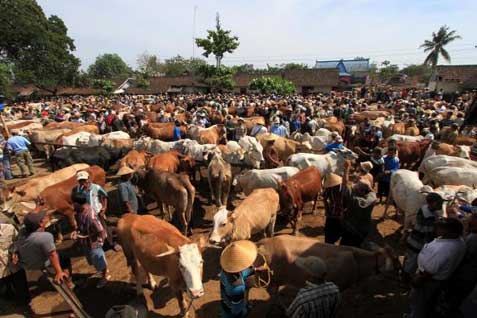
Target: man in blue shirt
{"type": "Point", "coordinates": [391, 165]}
{"type": "Point", "coordinates": [177, 131]}
{"type": "Point", "coordinates": [278, 129]}
{"type": "Point", "coordinates": [18, 145]}
{"type": "Point", "coordinates": [336, 144]}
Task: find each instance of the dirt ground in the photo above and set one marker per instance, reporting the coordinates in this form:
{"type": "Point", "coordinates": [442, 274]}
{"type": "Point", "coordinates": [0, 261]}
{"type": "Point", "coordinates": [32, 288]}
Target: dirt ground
{"type": "Point", "coordinates": [374, 297]}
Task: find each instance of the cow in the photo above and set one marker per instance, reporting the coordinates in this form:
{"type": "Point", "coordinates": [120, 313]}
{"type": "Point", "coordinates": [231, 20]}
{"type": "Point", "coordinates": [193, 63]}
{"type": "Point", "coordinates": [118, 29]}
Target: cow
{"type": "Point", "coordinates": [253, 151]}
{"type": "Point", "coordinates": [63, 125]}
{"type": "Point", "coordinates": [346, 265]}
{"type": "Point", "coordinates": [160, 249]}
{"type": "Point", "coordinates": [284, 147]}
{"type": "Point", "coordinates": [219, 173]}
{"type": "Point", "coordinates": [411, 154]}
{"type": "Point", "coordinates": [331, 162]}
{"type": "Point", "coordinates": [441, 148]}
{"type": "Point", "coordinates": [135, 160]}
{"type": "Point", "coordinates": [74, 138]}
{"type": "Point", "coordinates": [397, 128]}
{"type": "Point", "coordinates": [92, 129]}
{"type": "Point", "coordinates": [153, 146]}
{"type": "Point", "coordinates": [453, 176]}
{"type": "Point", "coordinates": [433, 162]}
{"type": "Point", "coordinates": [29, 191]}
{"type": "Point", "coordinates": [397, 137]}
{"type": "Point", "coordinates": [100, 156]}
{"type": "Point", "coordinates": [43, 139]}
{"type": "Point", "coordinates": [163, 131]}
{"type": "Point", "coordinates": [256, 213]}
{"type": "Point", "coordinates": [264, 178]}
{"type": "Point", "coordinates": [171, 161]}
{"type": "Point", "coordinates": [57, 197]}
{"type": "Point", "coordinates": [98, 140]}
{"type": "Point", "coordinates": [168, 189]}
{"type": "Point", "coordinates": [193, 149]}
{"type": "Point", "coordinates": [215, 134]}
{"type": "Point", "coordinates": [294, 192]}
{"type": "Point", "coordinates": [25, 128]}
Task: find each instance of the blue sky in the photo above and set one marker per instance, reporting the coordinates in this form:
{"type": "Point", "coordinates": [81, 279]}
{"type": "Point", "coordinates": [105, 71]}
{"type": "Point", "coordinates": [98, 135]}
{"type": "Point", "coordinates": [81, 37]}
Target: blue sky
{"type": "Point", "coordinates": [272, 31]}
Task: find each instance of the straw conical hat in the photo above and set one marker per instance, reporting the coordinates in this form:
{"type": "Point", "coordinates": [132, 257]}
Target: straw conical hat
{"type": "Point", "coordinates": [332, 180]}
{"type": "Point", "coordinates": [124, 171]}
{"type": "Point", "coordinates": [237, 256]}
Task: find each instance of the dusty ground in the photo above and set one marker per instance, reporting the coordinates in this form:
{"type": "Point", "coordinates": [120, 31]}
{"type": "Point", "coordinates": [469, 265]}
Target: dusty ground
{"type": "Point", "coordinates": [375, 297]}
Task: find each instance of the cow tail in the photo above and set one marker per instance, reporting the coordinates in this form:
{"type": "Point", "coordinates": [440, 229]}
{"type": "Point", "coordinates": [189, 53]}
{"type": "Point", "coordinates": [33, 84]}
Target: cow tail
{"type": "Point", "coordinates": [219, 187]}
{"type": "Point", "coordinates": [190, 199]}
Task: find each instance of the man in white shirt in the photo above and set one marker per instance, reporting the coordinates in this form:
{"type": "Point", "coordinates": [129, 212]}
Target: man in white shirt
{"type": "Point", "coordinates": [436, 262]}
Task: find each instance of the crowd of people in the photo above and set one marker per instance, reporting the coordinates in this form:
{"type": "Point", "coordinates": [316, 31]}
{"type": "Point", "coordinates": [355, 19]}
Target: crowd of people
{"type": "Point", "coordinates": [441, 256]}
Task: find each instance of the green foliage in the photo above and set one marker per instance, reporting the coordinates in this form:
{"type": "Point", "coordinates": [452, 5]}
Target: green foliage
{"type": "Point", "coordinates": [149, 65]}
{"type": "Point", "coordinates": [244, 68]}
{"type": "Point", "coordinates": [39, 49]}
{"type": "Point", "coordinates": [272, 85]}
{"type": "Point", "coordinates": [435, 47]}
{"type": "Point", "coordinates": [423, 72]}
{"type": "Point", "coordinates": [5, 78]}
{"type": "Point", "coordinates": [387, 71]}
{"type": "Point", "coordinates": [218, 79]}
{"type": "Point", "coordinates": [142, 82]}
{"type": "Point", "coordinates": [218, 42]}
{"type": "Point", "coordinates": [106, 86]}
{"type": "Point", "coordinates": [108, 66]}
{"type": "Point", "coordinates": [294, 66]}
{"type": "Point", "coordinates": [177, 66]}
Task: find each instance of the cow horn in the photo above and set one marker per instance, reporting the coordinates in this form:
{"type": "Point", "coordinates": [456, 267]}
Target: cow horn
{"type": "Point", "coordinates": [170, 251]}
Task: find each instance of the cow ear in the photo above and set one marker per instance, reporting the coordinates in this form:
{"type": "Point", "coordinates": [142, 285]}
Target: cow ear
{"type": "Point", "coordinates": [21, 193]}
{"type": "Point", "coordinates": [170, 251]}
{"type": "Point", "coordinates": [11, 188]}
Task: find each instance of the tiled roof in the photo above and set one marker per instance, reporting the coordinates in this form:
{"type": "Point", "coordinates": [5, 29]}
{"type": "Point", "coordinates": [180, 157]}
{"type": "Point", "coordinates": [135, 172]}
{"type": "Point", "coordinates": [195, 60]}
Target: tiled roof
{"type": "Point", "coordinates": [458, 73]}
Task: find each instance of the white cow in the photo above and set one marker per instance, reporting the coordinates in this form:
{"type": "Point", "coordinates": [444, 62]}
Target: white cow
{"type": "Point", "coordinates": [253, 151]}
{"type": "Point", "coordinates": [96, 140]}
{"type": "Point", "coordinates": [464, 152]}
{"type": "Point", "coordinates": [406, 138]}
{"type": "Point", "coordinates": [264, 178]}
{"type": "Point", "coordinates": [192, 148]}
{"type": "Point", "coordinates": [332, 162]}
{"type": "Point", "coordinates": [453, 176]}
{"type": "Point", "coordinates": [78, 139]}
{"type": "Point", "coordinates": [432, 162]}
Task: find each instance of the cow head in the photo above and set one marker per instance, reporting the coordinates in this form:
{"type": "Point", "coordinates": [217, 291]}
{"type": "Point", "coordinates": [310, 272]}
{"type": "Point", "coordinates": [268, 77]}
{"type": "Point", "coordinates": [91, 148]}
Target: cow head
{"type": "Point", "coordinates": [391, 265]}
{"type": "Point", "coordinates": [191, 266]}
{"type": "Point", "coordinates": [223, 227]}
{"type": "Point", "coordinates": [186, 163]}
{"type": "Point", "coordinates": [289, 198]}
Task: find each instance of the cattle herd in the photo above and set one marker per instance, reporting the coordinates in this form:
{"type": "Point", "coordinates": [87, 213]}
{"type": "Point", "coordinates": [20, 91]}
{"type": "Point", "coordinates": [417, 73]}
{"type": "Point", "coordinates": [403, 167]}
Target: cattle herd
{"type": "Point", "coordinates": [184, 146]}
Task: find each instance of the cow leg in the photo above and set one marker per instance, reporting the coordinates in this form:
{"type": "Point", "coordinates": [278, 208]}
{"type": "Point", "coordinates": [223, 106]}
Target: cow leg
{"type": "Point", "coordinates": [152, 281]}
{"type": "Point", "coordinates": [315, 213]}
{"type": "Point", "coordinates": [135, 269]}
{"type": "Point", "coordinates": [271, 226]}
{"type": "Point", "coordinates": [389, 199]}
{"type": "Point", "coordinates": [212, 193]}
{"type": "Point", "coordinates": [298, 213]}
{"type": "Point", "coordinates": [183, 304]}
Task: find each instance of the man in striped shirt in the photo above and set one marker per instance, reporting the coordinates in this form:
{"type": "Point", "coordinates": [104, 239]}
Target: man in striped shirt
{"type": "Point", "coordinates": [318, 299]}
{"type": "Point", "coordinates": [423, 231]}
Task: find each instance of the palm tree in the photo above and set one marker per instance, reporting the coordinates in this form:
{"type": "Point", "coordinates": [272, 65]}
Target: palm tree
{"type": "Point", "coordinates": [436, 45]}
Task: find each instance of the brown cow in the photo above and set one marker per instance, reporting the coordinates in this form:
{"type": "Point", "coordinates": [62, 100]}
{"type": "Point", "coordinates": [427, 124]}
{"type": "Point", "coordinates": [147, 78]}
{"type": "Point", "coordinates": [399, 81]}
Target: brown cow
{"type": "Point", "coordinates": [135, 160]}
{"type": "Point", "coordinates": [160, 249]}
{"type": "Point", "coordinates": [168, 189]}
{"type": "Point", "coordinates": [411, 153]}
{"type": "Point", "coordinates": [215, 134]}
{"type": "Point", "coordinates": [346, 265]}
{"type": "Point", "coordinates": [163, 131]}
{"type": "Point", "coordinates": [57, 197]}
{"type": "Point", "coordinates": [412, 130]}
{"type": "Point", "coordinates": [172, 161]}
{"type": "Point", "coordinates": [465, 140]}
{"type": "Point", "coordinates": [93, 129]}
{"type": "Point", "coordinates": [302, 187]}
{"type": "Point", "coordinates": [397, 128]}
{"type": "Point", "coordinates": [219, 174]}
{"type": "Point", "coordinates": [284, 146]}
{"type": "Point", "coordinates": [63, 125]}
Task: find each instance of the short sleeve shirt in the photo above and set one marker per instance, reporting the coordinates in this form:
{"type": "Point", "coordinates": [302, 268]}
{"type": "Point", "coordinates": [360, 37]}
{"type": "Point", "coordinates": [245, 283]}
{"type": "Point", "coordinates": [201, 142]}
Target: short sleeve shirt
{"type": "Point", "coordinates": [127, 193]}
{"type": "Point", "coordinates": [34, 249]}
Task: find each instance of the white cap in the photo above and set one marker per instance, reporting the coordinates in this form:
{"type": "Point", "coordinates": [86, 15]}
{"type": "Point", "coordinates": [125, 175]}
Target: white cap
{"type": "Point", "coordinates": [82, 175]}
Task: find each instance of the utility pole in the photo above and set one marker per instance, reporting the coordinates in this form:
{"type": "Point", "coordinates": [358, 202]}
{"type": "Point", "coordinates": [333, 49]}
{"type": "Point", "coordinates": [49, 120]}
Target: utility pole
{"type": "Point", "coordinates": [193, 31]}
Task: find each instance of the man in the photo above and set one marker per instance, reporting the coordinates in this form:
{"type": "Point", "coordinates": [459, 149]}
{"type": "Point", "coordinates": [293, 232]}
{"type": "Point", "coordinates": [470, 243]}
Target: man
{"type": "Point", "coordinates": [422, 233]}
{"type": "Point", "coordinates": [97, 198]}
{"type": "Point", "coordinates": [318, 298]}
{"type": "Point", "coordinates": [336, 144]}
{"type": "Point", "coordinates": [277, 128]}
{"type": "Point", "coordinates": [35, 249]}
{"type": "Point", "coordinates": [333, 201]}
{"type": "Point", "coordinates": [18, 145]}
{"type": "Point", "coordinates": [127, 193]}
{"type": "Point", "coordinates": [437, 261]}
{"type": "Point", "coordinates": [359, 201]}
{"type": "Point", "coordinates": [176, 133]}
{"type": "Point", "coordinates": [258, 129]}
{"type": "Point", "coordinates": [391, 165]}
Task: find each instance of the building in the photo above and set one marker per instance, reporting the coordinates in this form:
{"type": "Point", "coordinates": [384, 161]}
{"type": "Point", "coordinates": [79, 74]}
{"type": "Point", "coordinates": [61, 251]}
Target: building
{"type": "Point", "coordinates": [453, 78]}
{"type": "Point", "coordinates": [350, 71]}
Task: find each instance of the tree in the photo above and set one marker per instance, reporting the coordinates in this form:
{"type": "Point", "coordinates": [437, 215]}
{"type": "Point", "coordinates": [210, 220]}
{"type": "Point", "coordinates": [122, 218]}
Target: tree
{"type": "Point", "coordinates": [387, 71]}
{"type": "Point", "coordinates": [38, 48]}
{"type": "Point", "coordinates": [108, 66]}
{"type": "Point", "coordinates": [106, 86]}
{"type": "Point", "coordinates": [423, 72]}
{"type": "Point", "coordinates": [435, 47]}
{"type": "Point", "coordinates": [218, 42]}
{"type": "Point", "coordinates": [218, 79]}
{"type": "Point", "coordinates": [272, 85]}
{"type": "Point", "coordinates": [244, 68]}
{"type": "Point", "coordinates": [149, 64]}
{"type": "Point", "coordinates": [294, 66]}
{"type": "Point", "coordinates": [5, 78]}
{"type": "Point", "coordinates": [177, 66]}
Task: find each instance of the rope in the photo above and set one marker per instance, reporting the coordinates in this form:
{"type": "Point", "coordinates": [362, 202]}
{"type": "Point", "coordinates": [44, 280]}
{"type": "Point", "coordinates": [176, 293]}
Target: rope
{"type": "Point", "coordinates": [260, 282]}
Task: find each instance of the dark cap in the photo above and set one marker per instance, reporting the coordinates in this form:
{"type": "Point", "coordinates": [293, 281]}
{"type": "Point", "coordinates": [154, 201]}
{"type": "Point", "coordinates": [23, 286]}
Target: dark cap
{"type": "Point", "coordinates": [451, 225]}
{"type": "Point", "coordinates": [434, 197]}
{"type": "Point", "coordinates": [33, 220]}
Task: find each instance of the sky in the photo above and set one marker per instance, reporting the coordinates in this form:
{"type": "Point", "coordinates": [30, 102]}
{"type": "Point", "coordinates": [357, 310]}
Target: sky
{"type": "Point", "coordinates": [271, 31]}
